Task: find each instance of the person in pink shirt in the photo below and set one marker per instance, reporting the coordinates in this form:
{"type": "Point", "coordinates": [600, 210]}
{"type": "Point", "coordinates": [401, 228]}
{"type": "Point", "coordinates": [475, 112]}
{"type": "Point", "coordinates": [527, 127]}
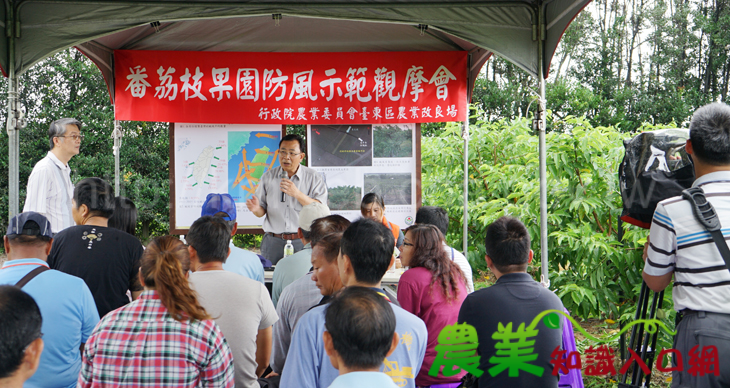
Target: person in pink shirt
{"type": "Point", "coordinates": [433, 289]}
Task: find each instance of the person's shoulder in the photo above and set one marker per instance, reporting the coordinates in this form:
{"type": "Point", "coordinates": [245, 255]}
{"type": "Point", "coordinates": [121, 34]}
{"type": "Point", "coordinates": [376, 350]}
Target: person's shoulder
{"type": "Point", "coordinates": [312, 323]}
{"type": "Point", "coordinates": [44, 163]}
{"type": "Point", "coordinates": [283, 263]}
{"type": "Point", "coordinates": [550, 297]}
{"type": "Point", "coordinates": [457, 253]}
{"type": "Point", "coordinates": [112, 318]}
{"type": "Point", "coordinates": [121, 235]}
{"type": "Point", "coordinates": [313, 317]}
{"type": "Point", "coordinates": [59, 277]}
{"type": "Point", "coordinates": [71, 231]}
{"type": "Point", "coordinates": [415, 275]}
{"type": "Point", "coordinates": [222, 276]}
{"type": "Point", "coordinates": [406, 318]}
{"type": "Point", "coordinates": [311, 171]}
{"type": "Point", "coordinates": [304, 254]}
{"type": "Point", "coordinates": [483, 295]}
{"type": "Point", "coordinates": [227, 282]}
{"type": "Point", "coordinates": [298, 285]}
{"type": "Point", "coordinates": [243, 252]}
{"type": "Point", "coordinates": [274, 171]}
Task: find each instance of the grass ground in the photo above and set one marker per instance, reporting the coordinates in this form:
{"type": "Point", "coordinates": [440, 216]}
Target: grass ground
{"type": "Point", "coordinates": [595, 327]}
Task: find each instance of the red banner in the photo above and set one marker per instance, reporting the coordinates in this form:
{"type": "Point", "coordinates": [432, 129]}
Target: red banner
{"type": "Point", "coordinates": [290, 88]}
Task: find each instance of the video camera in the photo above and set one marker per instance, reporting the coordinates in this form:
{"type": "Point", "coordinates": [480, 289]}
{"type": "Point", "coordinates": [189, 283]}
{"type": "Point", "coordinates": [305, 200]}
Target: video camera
{"type": "Point", "coordinates": [655, 167]}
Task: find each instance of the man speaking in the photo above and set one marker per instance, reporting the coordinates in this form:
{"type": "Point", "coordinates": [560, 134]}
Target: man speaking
{"type": "Point", "coordinates": [282, 192]}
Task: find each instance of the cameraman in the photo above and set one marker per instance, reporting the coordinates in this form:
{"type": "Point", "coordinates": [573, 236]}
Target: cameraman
{"type": "Point", "coordinates": [680, 245]}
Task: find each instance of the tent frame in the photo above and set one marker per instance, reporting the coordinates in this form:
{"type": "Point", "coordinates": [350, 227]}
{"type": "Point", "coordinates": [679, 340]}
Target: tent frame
{"type": "Point", "coordinates": [545, 34]}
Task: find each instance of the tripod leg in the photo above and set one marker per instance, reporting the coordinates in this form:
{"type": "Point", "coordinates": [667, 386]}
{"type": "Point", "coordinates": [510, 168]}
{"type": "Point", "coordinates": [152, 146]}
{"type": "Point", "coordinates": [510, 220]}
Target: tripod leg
{"type": "Point", "coordinates": [647, 351]}
{"type": "Point", "coordinates": [636, 331]}
{"type": "Point", "coordinates": [650, 357]}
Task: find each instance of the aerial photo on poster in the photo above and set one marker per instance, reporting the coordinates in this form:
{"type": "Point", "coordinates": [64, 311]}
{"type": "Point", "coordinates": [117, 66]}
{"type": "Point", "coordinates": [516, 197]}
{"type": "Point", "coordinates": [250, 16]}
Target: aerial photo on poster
{"type": "Point", "coordinates": [393, 141]}
{"type": "Point", "coordinates": [395, 189]}
{"type": "Point", "coordinates": [250, 154]}
{"type": "Point", "coordinates": [343, 191]}
{"type": "Point", "coordinates": [341, 145]}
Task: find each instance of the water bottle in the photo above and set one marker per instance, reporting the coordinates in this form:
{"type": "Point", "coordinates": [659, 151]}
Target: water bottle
{"type": "Point", "coordinates": [288, 248]}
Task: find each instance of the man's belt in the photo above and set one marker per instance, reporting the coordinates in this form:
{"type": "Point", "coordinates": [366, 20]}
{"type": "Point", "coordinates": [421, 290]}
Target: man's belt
{"type": "Point", "coordinates": [286, 236]}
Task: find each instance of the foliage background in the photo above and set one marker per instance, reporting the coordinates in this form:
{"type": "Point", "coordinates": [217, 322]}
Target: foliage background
{"type": "Point", "coordinates": [69, 85]}
{"type": "Point", "coordinates": [595, 274]}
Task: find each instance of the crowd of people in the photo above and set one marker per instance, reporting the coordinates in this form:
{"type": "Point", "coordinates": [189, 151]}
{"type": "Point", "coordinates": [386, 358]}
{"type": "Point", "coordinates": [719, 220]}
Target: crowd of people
{"type": "Point", "coordinates": [86, 304]}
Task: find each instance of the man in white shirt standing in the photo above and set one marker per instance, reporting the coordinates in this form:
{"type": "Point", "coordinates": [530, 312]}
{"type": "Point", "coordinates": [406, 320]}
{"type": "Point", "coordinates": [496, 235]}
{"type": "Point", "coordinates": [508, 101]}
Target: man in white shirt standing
{"type": "Point", "coordinates": [49, 187]}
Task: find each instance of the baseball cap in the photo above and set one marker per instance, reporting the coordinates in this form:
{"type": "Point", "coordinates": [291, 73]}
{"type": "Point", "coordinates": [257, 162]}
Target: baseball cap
{"type": "Point", "coordinates": [215, 203]}
{"type": "Point", "coordinates": [17, 225]}
{"type": "Point", "coordinates": [310, 213]}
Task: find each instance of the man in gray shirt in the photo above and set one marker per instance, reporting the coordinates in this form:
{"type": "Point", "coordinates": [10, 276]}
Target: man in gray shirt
{"type": "Point", "coordinates": [240, 306]}
{"type": "Point", "coordinates": [282, 192]}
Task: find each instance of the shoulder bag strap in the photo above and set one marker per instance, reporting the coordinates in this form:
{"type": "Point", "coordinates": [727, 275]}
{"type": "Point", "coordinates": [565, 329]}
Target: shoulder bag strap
{"type": "Point", "coordinates": [705, 214]}
{"type": "Point", "coordinates": [30, 275]}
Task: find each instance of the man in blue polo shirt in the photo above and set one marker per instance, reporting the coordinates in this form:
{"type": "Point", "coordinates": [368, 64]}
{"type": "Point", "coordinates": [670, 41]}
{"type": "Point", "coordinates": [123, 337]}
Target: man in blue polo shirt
{"type": "Point", "coordinates": [240, 261]}
{"type": "Point", "coordinates": [67, 307]}
{"type": "Point", "coordinates": [366, 253]}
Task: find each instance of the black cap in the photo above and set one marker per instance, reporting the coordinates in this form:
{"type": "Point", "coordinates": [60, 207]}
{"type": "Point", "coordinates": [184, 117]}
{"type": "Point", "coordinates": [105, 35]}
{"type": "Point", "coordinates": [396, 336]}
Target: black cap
{"type": "Point", "coordinates": [17, 225]}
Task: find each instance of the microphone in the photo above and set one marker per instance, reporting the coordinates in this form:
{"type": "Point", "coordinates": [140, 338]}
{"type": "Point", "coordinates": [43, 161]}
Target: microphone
{"type": "Point", "coordinates": [283, 176]}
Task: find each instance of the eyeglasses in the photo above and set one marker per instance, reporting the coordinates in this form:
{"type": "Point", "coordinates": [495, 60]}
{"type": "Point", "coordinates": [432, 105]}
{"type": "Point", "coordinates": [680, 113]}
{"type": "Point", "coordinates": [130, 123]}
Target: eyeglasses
{"type": "Point", "coordinates": [74, 137]}
{"type": "Point", "coordinates": [286, 154]}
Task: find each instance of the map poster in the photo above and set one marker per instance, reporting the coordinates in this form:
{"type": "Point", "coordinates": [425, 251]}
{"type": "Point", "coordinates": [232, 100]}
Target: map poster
{"type": "Point", "coordinates": [359, 159]}
{"type": "Point", "coordinates": [219, 158]}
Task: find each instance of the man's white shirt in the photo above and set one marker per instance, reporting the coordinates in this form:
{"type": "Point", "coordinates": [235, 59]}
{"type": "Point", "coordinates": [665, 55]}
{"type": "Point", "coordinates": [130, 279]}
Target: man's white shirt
{"type": "Point", "coordinates": [463, 263]}
{"type": "Point", "coordinates": [49, 192]}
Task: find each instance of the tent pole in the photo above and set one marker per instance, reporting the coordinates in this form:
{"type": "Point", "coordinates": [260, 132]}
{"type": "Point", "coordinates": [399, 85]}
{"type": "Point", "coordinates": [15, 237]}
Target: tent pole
{"type": "Point", "coordinates": [465, 135]}
{"type": "Point", "coordinates": [541, 125]}
{"type": "Point", "coordinates": [12, 129]}
{"type": "Point", "coordinates": [117, 134]}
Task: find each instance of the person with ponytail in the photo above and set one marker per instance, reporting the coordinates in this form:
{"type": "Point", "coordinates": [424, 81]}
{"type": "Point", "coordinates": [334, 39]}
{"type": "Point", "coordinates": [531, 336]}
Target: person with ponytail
{"type": "Point", "coordinates": [164, 338]}
{"type": "Point", "coordinates": [433, 288]}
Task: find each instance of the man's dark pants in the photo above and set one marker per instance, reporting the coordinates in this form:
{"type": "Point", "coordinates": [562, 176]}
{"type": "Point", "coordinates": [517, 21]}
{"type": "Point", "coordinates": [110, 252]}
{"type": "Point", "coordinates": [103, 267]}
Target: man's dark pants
{"type": "Point", "coordinates": [703, 329]}
{"type": "Point", "coordinates": [272, 247]}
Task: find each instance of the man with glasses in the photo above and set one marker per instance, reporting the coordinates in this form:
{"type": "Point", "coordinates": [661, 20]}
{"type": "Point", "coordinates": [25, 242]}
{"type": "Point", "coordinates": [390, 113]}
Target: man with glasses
{"type": "Point", "coordinates": [49, 186]}
{"type": "Point", "coordinates": [283, 192]}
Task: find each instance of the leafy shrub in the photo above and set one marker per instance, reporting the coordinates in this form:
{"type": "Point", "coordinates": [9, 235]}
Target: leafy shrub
{"type": "Point", "coordinates": [593, 272]}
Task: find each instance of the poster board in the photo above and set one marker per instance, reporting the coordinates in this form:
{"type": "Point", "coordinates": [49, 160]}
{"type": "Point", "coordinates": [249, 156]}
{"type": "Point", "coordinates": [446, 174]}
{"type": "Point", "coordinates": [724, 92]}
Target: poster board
{"type": "Point", "coordinates": [218, 158]}
{"type": "Point", "coordinates": [358, 159]}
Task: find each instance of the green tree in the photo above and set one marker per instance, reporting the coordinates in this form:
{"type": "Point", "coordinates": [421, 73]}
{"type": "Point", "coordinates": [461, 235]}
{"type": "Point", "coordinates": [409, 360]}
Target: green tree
{"type": "Point", "coordinates": [593, 272]}
{"type": "Point", "coordinates": [69, 85]}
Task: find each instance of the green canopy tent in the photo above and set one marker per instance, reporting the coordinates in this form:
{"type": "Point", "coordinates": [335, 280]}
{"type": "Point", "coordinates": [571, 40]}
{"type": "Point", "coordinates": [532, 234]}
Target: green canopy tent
{"type": "Point", "coordinates": [525, 32]}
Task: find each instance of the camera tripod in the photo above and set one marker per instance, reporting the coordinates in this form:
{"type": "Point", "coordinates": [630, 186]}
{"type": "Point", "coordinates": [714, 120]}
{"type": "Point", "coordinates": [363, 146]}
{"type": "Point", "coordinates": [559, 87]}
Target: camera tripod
{"type": "Point", "coordinates": [643, 343]}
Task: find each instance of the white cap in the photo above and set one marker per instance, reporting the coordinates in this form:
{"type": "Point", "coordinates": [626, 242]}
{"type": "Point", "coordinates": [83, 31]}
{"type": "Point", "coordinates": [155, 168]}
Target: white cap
{"type": "Point", "coordinates": [310, 213]}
